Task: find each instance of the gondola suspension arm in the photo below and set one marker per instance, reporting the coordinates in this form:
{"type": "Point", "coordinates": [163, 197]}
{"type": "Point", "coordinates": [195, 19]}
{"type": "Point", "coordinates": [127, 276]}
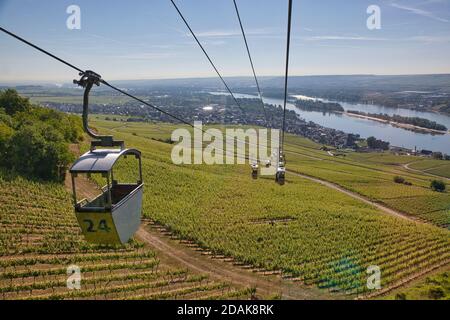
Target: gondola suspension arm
{"type": "Point", "coordinates": [87, 81]}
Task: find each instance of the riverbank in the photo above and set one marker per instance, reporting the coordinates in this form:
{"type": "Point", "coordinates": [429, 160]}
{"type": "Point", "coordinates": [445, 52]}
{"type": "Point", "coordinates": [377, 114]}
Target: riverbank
{"type": "Point", "coordinates": [397, 136]}
{"type": "Point", "coordinates": [396, 124]}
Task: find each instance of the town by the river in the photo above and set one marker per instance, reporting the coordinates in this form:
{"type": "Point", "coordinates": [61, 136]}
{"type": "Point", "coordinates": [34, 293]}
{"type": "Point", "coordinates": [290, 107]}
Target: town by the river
{"type": "Point", "coordinates": [365, 128]}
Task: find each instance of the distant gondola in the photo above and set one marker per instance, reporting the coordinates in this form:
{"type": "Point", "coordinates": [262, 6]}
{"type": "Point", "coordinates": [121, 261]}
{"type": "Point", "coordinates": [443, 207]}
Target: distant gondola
{"type": "Point", "coordinates": [255, 168]}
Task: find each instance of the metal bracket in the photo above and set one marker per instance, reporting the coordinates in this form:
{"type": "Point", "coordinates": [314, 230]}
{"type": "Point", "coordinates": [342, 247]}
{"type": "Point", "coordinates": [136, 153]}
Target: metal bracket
{"type": "Point", "coordinates": [87, 81]}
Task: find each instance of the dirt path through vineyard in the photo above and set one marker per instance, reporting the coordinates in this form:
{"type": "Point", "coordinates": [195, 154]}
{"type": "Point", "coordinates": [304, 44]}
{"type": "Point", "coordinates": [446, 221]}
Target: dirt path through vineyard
{"type": "Point", "coordinates": [407, 167]}
{"type": "Point", "coordinates": [266, 285]}
{"type": "Point", "coordinates": [359, 197]}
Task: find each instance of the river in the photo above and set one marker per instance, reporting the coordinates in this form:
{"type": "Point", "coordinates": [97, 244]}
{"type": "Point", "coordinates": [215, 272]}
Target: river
{"type": "Point", "coordinates": [366, 128]}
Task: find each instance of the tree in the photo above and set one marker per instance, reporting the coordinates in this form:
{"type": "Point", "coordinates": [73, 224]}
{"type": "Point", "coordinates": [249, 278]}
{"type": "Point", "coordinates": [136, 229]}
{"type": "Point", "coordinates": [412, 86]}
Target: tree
{"type": "Point", "coordinates": [438, 185]}
{"type": "Point", "coordinates": [398, 179]}
{"type": "Point", "coordinates": [374, 143]}
{"type": "Point", "coordinates": [400, 296]}
{"type": "Point", "coordinates": [351, 140]}
{"type": "Point", "coordinates": [437, 155]}
{"type": "Point", "coordinates": [5, 119]}
{"type": "Point", "coordinates": [6, 133]}
{"type": "Point", "coordinates": [12, 102]}
{"type": "Point", "coordinates": [34, 140]}
{"type": "Point", "coordinates": [39, 151]}
{"type": "Point", "coordinates": [68, 125]}
{"type": "Point", "coordinates": [371, 141]}
{"type": "Point", "coordinates": [436, 293]}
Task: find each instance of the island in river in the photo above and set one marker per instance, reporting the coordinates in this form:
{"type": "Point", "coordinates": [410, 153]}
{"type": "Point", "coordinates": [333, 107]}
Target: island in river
{"type": "Point", "coordinates": [416, 124]}
{"type": "Point", "coordinates": [408, 123]}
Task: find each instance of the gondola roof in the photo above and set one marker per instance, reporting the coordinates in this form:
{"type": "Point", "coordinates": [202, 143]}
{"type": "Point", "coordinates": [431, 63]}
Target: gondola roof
{"type": "Point", "coordinates": [100, 160]}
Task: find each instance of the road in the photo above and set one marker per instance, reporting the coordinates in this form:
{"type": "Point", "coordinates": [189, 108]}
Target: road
{"type": "Point", "coordinates": [359, 197]}
{"type": "Point", "coordinates": [406, 166]}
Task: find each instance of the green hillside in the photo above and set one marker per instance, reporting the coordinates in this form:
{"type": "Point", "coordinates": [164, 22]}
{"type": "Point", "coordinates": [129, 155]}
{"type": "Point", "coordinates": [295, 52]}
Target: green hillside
{"type": "Point", "coordinates": [307, 230]}
{"type": "Point", "coordinates": [311, 232]}
{"type": "Point", "coordinates": [40, 239]}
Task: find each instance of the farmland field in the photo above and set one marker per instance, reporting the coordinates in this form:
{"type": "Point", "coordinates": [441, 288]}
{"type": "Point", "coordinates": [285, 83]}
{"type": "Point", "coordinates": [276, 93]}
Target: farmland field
{"type": "Point", "coordinates": [309, 232]}
{"type": "Point", "coordinates": [304, 229]}
{"type": "Point", "coordinates": [42, 99]}
{"type": "Point", "coordinates": [233, 151]}
{"type": "Point", "coordinates": [432, 287]}
{"type": "Point", "coordinates": [40, 239]}
{"type": "Point", "coordinates": [372, 175]}
{"type": "Point", "coordinates": [436, 167]}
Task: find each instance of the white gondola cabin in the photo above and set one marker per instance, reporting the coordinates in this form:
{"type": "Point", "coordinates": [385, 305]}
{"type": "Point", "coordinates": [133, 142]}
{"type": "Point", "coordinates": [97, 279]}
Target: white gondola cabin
{"type": "Point", "coordinates": [280, 175]}
{"type": "Point", "coordinates": [255, 168]}
{"type": "Point", "coordinates": [115, 215]}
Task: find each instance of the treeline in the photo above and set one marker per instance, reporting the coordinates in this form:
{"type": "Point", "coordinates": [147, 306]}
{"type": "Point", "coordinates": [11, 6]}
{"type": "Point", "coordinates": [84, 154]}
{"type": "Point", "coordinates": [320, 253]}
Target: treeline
{"type": "Point", "coordinates": [34, 141]}
{"type": "Point", "coordinates": [311, 105]}
{"type": "Point", "coordinates": [445, 109]}
{"type": "Point", "coordinates": [374, 143]}
{"type": "Point", "coordinates": [415, 121]}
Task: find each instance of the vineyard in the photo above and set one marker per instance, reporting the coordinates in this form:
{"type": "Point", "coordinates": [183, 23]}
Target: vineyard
{"type": "Point", "coordinates": [372, 175]}
{"type": "Point", "coordinates": [39, 240]}
{"type": "Point", "coordinates": [306, 231]}
{"type": "Point", "coordinates": [433, 287]}
{"type": "Point", "coordinates": [309, 232]}
{"type": "Point", "coordinates": [341, 216]}
{"type": "Point", "coordinates": [436, 167]}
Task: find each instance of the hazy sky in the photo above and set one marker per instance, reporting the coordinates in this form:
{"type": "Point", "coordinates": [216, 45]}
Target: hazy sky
{"type": "Point", "coordinates": [145, 39]}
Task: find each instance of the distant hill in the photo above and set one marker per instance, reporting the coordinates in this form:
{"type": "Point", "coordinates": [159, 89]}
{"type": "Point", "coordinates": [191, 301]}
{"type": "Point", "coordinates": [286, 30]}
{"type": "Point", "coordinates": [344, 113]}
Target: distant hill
{"type": "Point", "coordinates": [420, 83]}
{"type": "Point", "coordinates": [438, 82]}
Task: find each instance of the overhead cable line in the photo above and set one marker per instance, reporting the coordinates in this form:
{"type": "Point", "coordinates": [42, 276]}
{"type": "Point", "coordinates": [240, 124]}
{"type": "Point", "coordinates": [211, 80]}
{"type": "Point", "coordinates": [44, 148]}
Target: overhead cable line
{"type": "Point", "coordinates": [166, 113]}
{"type": "Point", "coordinates": [251, 63]}
{"type": "Point", "coordinates": [101, 80]}
{"type": "Point", "coordinates": [210, 61]}
{"type": "Point", "coordinates": [287, 73]}
{"type": "Point", "coordinates": [207, 55]}
{"type": "Point", "coordinates": [81, 72]}
{"type": "Point", "coordinates": [40, 49]}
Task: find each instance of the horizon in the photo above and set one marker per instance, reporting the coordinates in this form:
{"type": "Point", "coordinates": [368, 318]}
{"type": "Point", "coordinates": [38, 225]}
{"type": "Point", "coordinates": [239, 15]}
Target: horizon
{"type": "Point", "coordinates": [150, 42]}
{"type": "Point", "coordinates": [56, 82]}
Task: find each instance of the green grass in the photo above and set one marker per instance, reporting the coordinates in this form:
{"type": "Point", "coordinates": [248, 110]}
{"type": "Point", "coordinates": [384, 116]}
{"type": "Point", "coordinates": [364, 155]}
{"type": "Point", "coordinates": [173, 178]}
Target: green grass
{"type": "Point", "coordinates": [436, 167]}
{"type": "Point", "coordinates": [443, 170]}
{"type": "Point", "coordinates": [77, 100]}
{"type": "Point", "coordinates": [305, 229]}
{"type": "Point", "coordinates": [329, 239]}
{"type": "Point", "coordinates": [425, 164]}
{"type": "Point", "coordinates": [435, 287]}
{"type": "Point", "coordinates": [369, 174]}
{"type": "Point", "coordinates": [374, 178]}
{"type": "Point", "coordinates": [380, 158]}
{"type": "Point", "coordinates": [40, 239]}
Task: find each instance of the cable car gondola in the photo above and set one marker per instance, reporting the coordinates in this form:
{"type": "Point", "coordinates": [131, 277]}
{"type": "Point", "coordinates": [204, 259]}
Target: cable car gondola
{"type": "Point", "coordinates": [255, 168]}
{"type": "Point", "coordinates": [280, 175]}
{"type": "Point", "coordinates": [114, 216]}
{"type": "Point", "coordinates": [281, 170]}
